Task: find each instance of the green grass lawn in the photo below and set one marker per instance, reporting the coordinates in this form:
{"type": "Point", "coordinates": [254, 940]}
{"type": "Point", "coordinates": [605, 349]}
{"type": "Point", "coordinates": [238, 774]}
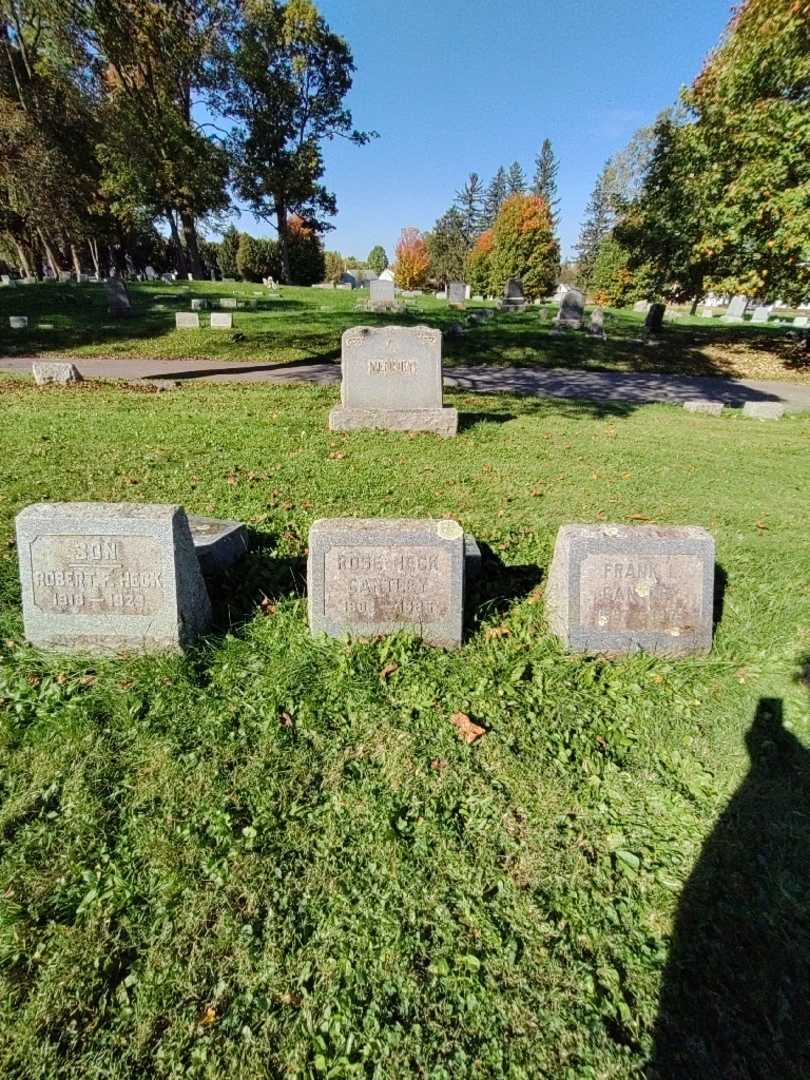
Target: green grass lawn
{"type": "Point", "coordinates": [275, 857]}
{"type": "Point", "coordinates": [300, 324]}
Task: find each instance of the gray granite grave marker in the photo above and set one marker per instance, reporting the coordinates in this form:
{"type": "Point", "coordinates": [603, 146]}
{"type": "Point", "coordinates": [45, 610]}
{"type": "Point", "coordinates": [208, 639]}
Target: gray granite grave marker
{"type": "Point", "coordinates": [641, 306]}
{"type": "Point", "coordinates": [221, 320]}
{"type": "Point", "coordinates": [736, 309]}
{"type": "Point", "coordinates": [381, 291]}
{"type": "Point", "coordinates": [764, 410]}
{"type": "Point", "coordinates": [762, 313]}
{"type": "Point", "coordinates": [596, 326]}
{"type": "Point", "coordinates": [45, 372]}
{"type": "Point", "coordinates": [514, 298]}
{"type": "Point", "coordinates": [199, 305]}
{"type": "Point", "coordinates": [187, 320]}
{"type": "Point", "coordinates": [456, 293]}
{"type": "Point", "coordinates": [118, 298]}
{"type": "Point", "coordinates": [18, 322]}
{"type": "Point", "coordinates": [617, 589]}
{"type": "Point", "coordinates": [107, 577]}
{"type": "Point", "coordinates": [377, 576]}
{"type": "Point", "coordinates": [219, 544]}
{"type": "Point", "coordinates": [392, 378]}
{"type": "Point", "coordinates": [704, 405]}
{"type": "Point", "coordinates": [572, 309]}
{"type": "Point", "coordinates": [228, 301]}
{"type": "Point", "coordinates": [655, 318]}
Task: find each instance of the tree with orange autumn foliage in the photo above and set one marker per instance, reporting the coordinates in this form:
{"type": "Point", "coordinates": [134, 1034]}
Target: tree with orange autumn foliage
{"type": "Point", "coordinates": [478, 267]}
{"type": "Point", "coordinates": [524, 246]}
{"type": "Point", "coordinates": [412, 260]}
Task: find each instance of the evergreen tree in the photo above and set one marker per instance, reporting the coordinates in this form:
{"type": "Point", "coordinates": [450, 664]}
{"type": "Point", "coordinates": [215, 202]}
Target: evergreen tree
{"type": "Point", "coordinates": [227, 254]}
{"type": "Point", "coordinates": [448, 246]}
{"type": "Point", "coordinates": [469, 203]}
{"type": "Point", "coordinates": [600, 218]}
{"type": "Point", "coordinates": [496, 192]}
{"type": "Point", "coordinates": [516, 179]}
{"type": "Point", "coordinates": [545, 178]}
{"type": "Point", "coordinates": [377, 259]}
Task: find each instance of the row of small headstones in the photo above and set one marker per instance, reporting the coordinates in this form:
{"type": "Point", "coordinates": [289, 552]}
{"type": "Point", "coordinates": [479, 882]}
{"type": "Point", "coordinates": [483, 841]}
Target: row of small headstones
{"type": "Point", "coordinates": [112, 577]}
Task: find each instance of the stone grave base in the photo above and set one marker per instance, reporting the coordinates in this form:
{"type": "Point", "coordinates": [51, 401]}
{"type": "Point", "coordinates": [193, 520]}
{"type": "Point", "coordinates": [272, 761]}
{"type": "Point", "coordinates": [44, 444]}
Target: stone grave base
{"type": "Point", "coordinates": [512, 305]}
{"type": "Point", "coordinates": [219, 544]}
{"type": "Point", "coordinates": [442, 421]}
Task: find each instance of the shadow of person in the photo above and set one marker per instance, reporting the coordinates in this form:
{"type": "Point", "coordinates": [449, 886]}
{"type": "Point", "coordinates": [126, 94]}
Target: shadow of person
{"type": "Point", "coordinates": [735, 1001]}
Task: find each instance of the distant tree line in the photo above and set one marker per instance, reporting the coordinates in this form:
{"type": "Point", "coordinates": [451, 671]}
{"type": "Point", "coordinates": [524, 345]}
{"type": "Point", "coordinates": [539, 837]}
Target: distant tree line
{"type": "Point", "coordinates": [103, 147]}
{"type": "Point", "coordinates": [716, 194]}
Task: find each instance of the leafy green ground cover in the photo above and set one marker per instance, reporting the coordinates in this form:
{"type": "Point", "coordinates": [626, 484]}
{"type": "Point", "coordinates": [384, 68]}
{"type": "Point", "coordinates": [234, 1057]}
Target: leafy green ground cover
{"type": "Point", "coordinates": [301, 324]}
{"type": "Point", "coordinates": [276, 857]}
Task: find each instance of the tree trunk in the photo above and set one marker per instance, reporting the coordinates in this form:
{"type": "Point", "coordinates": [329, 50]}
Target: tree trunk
{"type": "Point", "coordinates": [49, 255]}
{"type": "Point", "coordinates": [93, 245]}
{"type": "Point", "coordinates": [283, 241]}
{"type": "Point", "coordinates": [181, 263]}
{"type": "Point", "coordinates": [694, 306]}
{"type": "Point", "coordinates": [77, 266]}
{"type": "Point", "coordinates": [22, 256]}
{"type": "Point", "coordinates": [192, 248]}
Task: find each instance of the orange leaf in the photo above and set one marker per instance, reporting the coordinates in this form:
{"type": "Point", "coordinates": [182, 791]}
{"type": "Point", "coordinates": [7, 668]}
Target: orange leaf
{"type": "Point", "coordinates": [467, 730]}
{"type": "Point", "coordinates": [389, 669]}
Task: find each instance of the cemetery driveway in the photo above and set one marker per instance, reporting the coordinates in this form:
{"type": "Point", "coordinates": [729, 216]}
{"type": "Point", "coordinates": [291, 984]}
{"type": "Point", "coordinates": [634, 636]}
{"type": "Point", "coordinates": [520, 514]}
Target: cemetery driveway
{"type": "Point", "coordinates": [635, 388]}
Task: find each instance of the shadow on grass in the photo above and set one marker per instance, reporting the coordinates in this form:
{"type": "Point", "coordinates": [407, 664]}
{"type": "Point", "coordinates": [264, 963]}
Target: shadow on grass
{"type": "Point", "coordinates": [735, 1001]}
{"type": "Point", "coordinates": [259, 580]}
{"type": "Point", "coordinates": [496, 588]}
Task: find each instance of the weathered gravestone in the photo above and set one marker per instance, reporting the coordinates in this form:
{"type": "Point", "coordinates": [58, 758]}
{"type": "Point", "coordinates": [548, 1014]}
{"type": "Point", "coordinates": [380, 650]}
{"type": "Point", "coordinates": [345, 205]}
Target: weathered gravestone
{"type": "Point", "coordinates": [392, 378]}
{"type": "Point", "coordinates": [762, 313]}
{"type": "Point", "coordinates": [655, 318]}
{"type": "Point", "coordinates": [764, 410]}
{"type": "Point", "coordinates": [7, 279]}
{"type": "Point", "coordinates": [187, 320]}
{"type": "Point", "coordinates": [53, 372]}
{"type": "Point", "coordinates": [376, 576]}
{"type": "Point", "coordinates": [118, 298]}
{"type": "Point", "coordinates": [801, 322]}
{"type": "Point", "coordinates": [228, 301]}
{"type": "Point", "coordinates": [107, 577]}
{"type": "Point", "coordinates": [736, 309]}
{"type": "Point", "coordinates": [641, 306]}
{"type": "Point", "coordinates": [199, 305]}
{"type": "Point", "coordinates": [381, 291]}
{"type": "Point", "coordinates": [596, 326]}
{"type": "Point", "coordinates": [221, 320]}
{"type": "Point", "coordinates": [456, 293]}
{"type": "Point", "coordinates": [704, 405]}
{"type": "Point", "coordinates": [572, 309]}
{"type": "Point", "coordinates": [514, 299]}
{"type": "Point", "coordinates": [18, 322]}
{"type": "Point", "coordinates": [617, 589]}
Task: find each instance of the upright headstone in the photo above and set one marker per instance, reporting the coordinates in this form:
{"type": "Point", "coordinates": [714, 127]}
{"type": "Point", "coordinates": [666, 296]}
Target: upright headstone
{"type": "Point", "coordinates": [108, 577]}
{"type": "Point", "coordinates": [619, 589]}
{"type": "Point", "coordinates": [199, 305]}
{"type": "Point", "coordinates": [736, 309]}
{"type": "Point", "coordinates": [118, 298]}
{"type": "Point", "coordinates": [376, 576]}
{"type": "Point", "coordinates": [7, 279]}
{"type": "Point", "coordinates": [219, 544]}
{"type": "Point", "coordinates": [596, 326]}
{"type": "Point", "coordinates": [228, 302]}
{"type": "Point", "coordinates": [641, 306]}
{"type": "Point", "coordinates": [762, 313]}
{"type": "Point", "coordinates": [655, 318]}
{"type": "Point", "coordinates": [46, 372]}
{"type": "Point", "coordinates": [392, 379]}
{"type": "Point", "coordinates": [456, 293]}
{"type": "Point", "coordinates": [514, 298]}
{"type": "Point", "coordinates": [572, 309]}
{"type": "Point", "coordinates": [187, 320]}
{"type": "Point", "coordinates": [801, 322]}
{"type": "Point", "coordinates": [381, 291]}
{"type": "Point", "coordinates": [221, 320]}
{"type": "Point", "coordinates": [18, 322]}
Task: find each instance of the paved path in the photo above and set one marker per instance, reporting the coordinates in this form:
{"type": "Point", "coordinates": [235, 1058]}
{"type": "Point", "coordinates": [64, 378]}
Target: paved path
{"type": "Point", "coordinates": [601, 386]}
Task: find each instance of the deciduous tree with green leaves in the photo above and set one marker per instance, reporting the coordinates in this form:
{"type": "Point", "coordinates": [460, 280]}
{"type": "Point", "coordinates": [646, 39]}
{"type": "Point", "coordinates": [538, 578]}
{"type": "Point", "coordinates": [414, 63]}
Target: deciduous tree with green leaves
{"type": "Point", "coordinates": [524, 246]}
{"type": "Point", "coordinates": [377, 259]}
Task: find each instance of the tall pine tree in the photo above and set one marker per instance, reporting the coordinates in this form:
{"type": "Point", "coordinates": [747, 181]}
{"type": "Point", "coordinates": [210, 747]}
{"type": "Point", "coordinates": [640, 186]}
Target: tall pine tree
{"type": "Point", "coordinates": [469, 202]}
{"type": "Point", "coordinates": [600, 217]}
{"type": "Point", "coordinates": [516, 179]}
{"type": "Point", "coordinates": [545, 179]}
{"type": "Point", "coordinates": [497, 191]}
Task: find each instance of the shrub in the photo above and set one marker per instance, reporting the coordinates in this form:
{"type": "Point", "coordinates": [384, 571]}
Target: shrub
{"type": "Point", "coordinates": [306, 253]}
{"type": "Point", "coordinates": [228, 249]}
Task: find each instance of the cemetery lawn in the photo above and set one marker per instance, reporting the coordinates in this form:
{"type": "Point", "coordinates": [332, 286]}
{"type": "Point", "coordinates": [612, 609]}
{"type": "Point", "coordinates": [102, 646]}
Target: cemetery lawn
{"type": "Point", "coordinates": [276, 857]}
{"type": "Point", "coordinates": [306, 324]}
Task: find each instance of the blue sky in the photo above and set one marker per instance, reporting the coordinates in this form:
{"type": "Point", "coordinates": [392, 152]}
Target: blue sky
{"type": "Point", "coordinates": [455, 87]}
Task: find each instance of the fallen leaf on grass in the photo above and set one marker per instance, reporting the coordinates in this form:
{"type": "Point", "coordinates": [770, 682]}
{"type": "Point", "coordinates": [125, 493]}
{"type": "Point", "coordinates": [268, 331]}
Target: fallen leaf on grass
{"type": "Point", "coordinates": [761, 525]}
{"type": "Point", "coordinates": [337, 455]}
{"type": "Point", "coordinates": [268, 607]}
{"type": "Point", "coordinates": [467, 729]}
{"type": "Point", "coordinates": [536, 595]}
{"type": "Point", "coordinates": [496, 632]}
{"type": "Point", "coordinates": [208, 1017]}
{"type": "Point", "coordinates": [286, 720]}
{"type": "Point", "coordinates": [389, 669]}
{"type": "Point", "coordinates": [233, 479]}
{"type": "Point", "coordinates": [638, 517]}
{"type": "Point", "coordinates": [87, 680]}
{"type": "Point", "coordinates": [438, 764]}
